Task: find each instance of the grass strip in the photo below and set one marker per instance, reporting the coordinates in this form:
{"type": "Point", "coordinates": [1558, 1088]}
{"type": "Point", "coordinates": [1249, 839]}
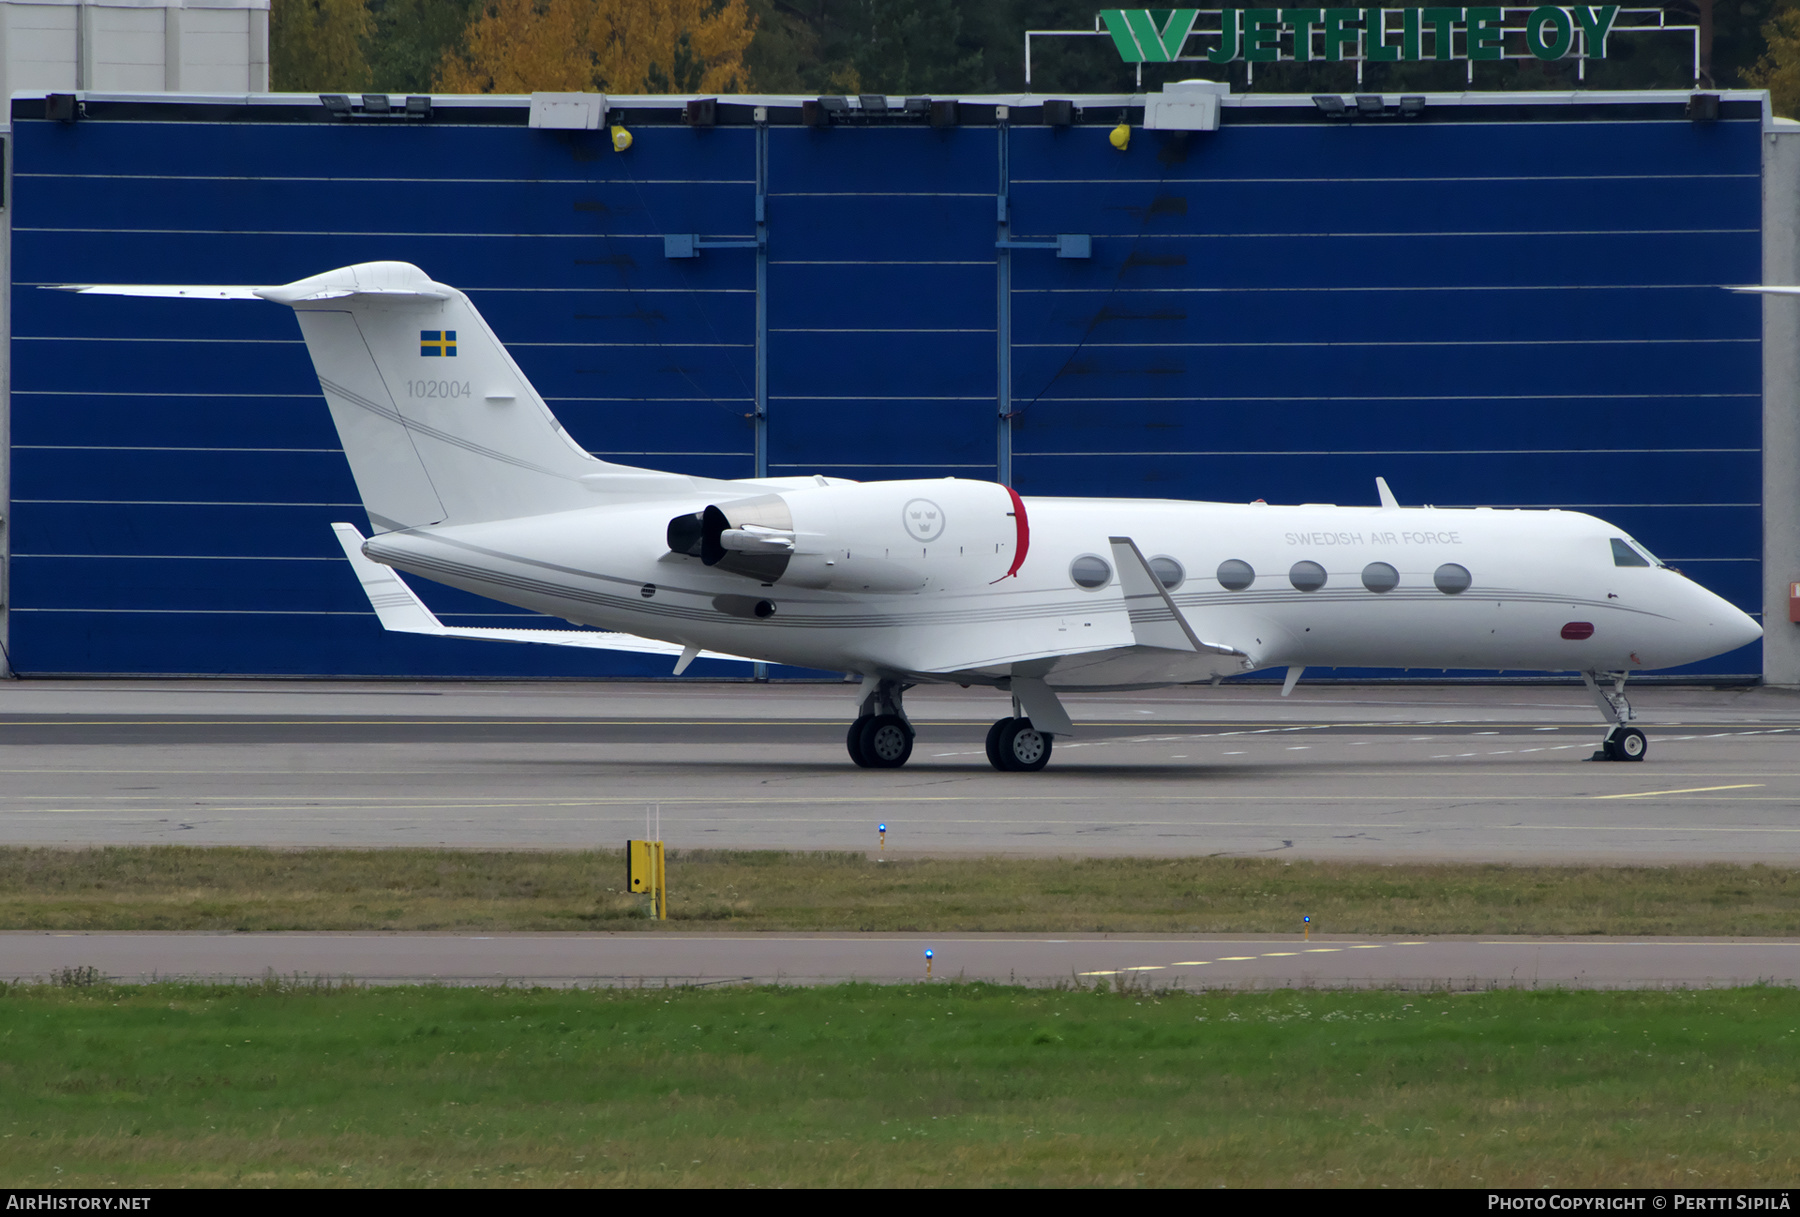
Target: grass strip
{"type": "Point", "coordinates": [225, 888]}
{"type": "Point", "coordinates": [285, 1085]}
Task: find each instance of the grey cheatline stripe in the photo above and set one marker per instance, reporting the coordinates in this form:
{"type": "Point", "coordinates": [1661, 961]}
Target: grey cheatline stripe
{"type": "Point", "coordinates": [791, 619]}
{"type": "Point", "coordinates": [455, 441]}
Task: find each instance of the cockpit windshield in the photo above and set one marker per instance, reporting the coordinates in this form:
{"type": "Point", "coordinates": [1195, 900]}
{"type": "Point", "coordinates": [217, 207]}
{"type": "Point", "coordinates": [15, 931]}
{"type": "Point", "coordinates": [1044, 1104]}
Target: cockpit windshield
{"type": "Point", "coordinates": [1630, 553]}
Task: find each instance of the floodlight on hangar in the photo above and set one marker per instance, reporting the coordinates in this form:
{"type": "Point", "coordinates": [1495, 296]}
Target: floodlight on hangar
{"type": "Point", "coordinates": [376, 103]}
{"type": "Point", "coordinates": [874, 105]}
{"type": "Point", "coordinates": [1369, 105]}
{"type": "Point", "coordinates": [1330, 105]}
{"type": "Point", "coordinates": [336, 104]}
{"type": "Point", "coordinates": [1412, 107]}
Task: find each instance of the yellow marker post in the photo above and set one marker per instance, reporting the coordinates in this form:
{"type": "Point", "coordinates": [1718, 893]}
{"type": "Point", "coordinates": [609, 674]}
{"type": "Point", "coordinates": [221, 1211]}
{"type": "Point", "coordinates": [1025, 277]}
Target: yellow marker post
{"type": "Point", "coordinates": [1307, 920]}
{"type": "Point", "coordinates": [645, 873]}
{"type": "Point", "coordinates": [881, 832]}
{"type": "Point", "coordinates": [928, 954]}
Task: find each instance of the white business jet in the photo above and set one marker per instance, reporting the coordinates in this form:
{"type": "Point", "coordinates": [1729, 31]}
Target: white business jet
{"type": "Point", "coordinates": [469, 480]}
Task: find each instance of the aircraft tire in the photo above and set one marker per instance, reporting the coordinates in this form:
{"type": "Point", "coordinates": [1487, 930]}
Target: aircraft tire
{"type": "Point", "coordinates": [1023, 747]}
{"type": "Point", "coordinates": [887, 741]}
{"type": "Point", "coordinates": [1629, 744]}
{"type": "Point", "coordinates": [853, 742]}
{"type": "Point", "coordinates": [993, 744]}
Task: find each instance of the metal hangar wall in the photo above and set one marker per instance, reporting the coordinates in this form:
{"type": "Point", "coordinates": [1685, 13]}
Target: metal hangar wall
{"type": "Point", "coordinates": [1497, 300]}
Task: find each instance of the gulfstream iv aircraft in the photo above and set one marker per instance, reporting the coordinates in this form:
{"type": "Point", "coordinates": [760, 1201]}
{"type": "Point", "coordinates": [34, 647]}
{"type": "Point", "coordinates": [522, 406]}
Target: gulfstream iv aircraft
{"type": "Point", "coordinates": [469, 480]}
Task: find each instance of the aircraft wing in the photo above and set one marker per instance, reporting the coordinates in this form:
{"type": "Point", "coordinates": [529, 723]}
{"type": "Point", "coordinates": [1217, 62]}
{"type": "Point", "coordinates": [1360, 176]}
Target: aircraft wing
{"type": "Point", "coordinates": [402, 612]}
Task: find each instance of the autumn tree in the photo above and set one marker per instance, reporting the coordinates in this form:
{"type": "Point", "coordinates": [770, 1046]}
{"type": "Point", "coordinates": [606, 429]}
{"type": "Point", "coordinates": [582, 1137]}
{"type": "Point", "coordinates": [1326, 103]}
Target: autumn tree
{"type": "Point", "coordinates": [317, 46]}
{"type": "Point", "coordinates": [607, 46]}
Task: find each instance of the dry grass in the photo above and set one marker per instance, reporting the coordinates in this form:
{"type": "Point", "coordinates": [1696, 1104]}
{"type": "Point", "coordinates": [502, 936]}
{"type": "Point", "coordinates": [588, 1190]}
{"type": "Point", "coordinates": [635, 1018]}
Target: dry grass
{"type": "Point", "coordinates": [176, 888]}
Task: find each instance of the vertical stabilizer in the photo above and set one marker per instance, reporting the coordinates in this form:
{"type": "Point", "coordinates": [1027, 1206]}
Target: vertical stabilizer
{"type": "Point", "coordinates": [438, 422]}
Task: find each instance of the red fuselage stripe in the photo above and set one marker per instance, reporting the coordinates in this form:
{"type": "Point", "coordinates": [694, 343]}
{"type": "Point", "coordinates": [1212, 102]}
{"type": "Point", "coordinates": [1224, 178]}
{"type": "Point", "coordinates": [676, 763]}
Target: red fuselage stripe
{"type": "Point", "coordinates": [1024, 533]}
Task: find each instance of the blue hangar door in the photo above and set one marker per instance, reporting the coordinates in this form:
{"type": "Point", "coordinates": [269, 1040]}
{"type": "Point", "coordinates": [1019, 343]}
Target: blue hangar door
{"type": "Point", "coordinates": [1487, 307]}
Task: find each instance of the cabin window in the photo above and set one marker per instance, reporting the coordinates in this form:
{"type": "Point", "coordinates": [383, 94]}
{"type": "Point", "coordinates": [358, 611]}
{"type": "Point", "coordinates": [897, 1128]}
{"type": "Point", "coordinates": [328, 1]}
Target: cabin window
{"type": "Point", "coordinates": [1090, 571]}
{"type": "Point", "coordinates": [1168, 572]}
{"type": "Point", "coordinates": [1235, 576]}
{"type": "Point", "coordinates": [1625, 555]}
{"type": "Point", "coordinates": [1379, 577]}
{"type": "Point", "coordinates": [1307, 576]}
{"type": "Point", "coordinates": [1451, 579]}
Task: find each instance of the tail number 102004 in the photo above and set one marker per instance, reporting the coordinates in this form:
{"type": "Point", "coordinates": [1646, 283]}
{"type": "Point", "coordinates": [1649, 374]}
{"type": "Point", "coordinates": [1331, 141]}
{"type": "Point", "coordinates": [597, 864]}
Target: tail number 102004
{"type": "Point", "coordinates": [437, 388]}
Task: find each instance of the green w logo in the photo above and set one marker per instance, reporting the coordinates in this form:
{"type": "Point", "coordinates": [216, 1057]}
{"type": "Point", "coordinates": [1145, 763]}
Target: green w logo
{"type": "Point", "coordinates": [1134, 31]}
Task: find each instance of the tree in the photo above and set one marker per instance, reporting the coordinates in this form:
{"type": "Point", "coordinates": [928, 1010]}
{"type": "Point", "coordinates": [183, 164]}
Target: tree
{"type": "Point", "coordinates": [609, 46]}
{"type": "Point", "coordinates": [1778, 70]}
{"type": "Point", "coordinates": [317, 46]}
{"type": "Point", "coordinates": [411, 38]}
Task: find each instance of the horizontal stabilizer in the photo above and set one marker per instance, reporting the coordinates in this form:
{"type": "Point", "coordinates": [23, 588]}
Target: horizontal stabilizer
{"type": "Point", "coordinates": [1767, 291]}
{"type": "Point", "coordinates": [165, 291]}
{"type": "Point", "coordinates": [402, 612]}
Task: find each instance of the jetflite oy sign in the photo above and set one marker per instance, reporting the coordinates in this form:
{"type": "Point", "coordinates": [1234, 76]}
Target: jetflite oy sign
{"type": "Point", "coordinates": [1373, 35]}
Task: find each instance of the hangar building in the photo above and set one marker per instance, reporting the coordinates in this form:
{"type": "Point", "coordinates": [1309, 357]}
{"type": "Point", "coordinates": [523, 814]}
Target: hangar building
{"type": "Point", "coordinates": [1493, 299]}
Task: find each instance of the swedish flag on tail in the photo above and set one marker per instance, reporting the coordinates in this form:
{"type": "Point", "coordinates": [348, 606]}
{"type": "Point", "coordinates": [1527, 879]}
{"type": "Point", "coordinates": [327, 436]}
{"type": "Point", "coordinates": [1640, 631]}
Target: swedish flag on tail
{"type": "Point", "coordinates": [437, 342]}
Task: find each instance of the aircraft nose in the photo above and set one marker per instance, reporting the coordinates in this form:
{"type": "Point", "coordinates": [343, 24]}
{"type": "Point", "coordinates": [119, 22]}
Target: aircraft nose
{"type": "Point", "coordinates": [1740, 629]}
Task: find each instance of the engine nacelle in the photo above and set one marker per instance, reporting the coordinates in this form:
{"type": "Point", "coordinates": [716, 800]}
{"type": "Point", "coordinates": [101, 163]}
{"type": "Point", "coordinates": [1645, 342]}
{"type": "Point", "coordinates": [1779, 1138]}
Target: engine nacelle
{"type": "Point", "coordinates": [863, 537]}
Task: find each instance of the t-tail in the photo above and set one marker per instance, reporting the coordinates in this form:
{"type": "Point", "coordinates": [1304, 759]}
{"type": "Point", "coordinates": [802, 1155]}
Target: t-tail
{"type": "Point", "coordinates": [437, 421]}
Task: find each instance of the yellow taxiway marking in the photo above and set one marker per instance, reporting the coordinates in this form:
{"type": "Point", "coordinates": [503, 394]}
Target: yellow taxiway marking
{"type": "Point", "coordinates": [1366, 946]}
{"type": "Point", "coordinates": [1190, 963]}
{"type": "Point", "coordinates": [1273, 954]}
{"type": "Point", "coordinates": [1321, 950]}
{"type": "Point", "coordinates": [1644, 794]}
{"type": "Point", "coordinates": [1236, 958]}
{"type": "Point", "coordinates": [1144, 967]}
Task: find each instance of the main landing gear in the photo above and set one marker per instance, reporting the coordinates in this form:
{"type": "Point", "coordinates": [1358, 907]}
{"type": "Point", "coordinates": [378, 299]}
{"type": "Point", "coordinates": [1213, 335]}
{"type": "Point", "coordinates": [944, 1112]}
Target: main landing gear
{"type": "Point", "coordinates": [881, 737]}
{"type": "Point", "coordinates": [1015, 746]}
{"type": "Point", "coordinates": [1621, 741]}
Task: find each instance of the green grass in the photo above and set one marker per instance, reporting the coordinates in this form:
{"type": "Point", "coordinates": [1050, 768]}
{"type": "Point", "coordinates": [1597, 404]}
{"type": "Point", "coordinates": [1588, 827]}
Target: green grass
{"type": "Point", "coordinates": [888, 1085]}
{"type": "Point", "coordinates": [175, 888]}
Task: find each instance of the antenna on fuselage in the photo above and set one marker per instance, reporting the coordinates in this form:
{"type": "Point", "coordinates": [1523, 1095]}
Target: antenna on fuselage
{"type": "Point", "coordinates": [1387, 496]}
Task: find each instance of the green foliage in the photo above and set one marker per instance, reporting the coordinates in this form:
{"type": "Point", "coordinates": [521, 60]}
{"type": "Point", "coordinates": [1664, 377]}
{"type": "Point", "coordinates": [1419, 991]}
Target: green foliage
{"type": "Point", "coordinates": [287, 1085]}
{"type": "Point", "coordinates": [319, 46]}
{"type": "Point", "coordinates": [410, 38]}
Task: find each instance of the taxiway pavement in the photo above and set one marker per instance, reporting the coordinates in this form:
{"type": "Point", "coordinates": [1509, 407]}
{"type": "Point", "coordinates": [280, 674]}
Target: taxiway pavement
{"type": "Point", "coordinates": [1151, 960]}
{"type": "Point", "coordinates": [1373, 773]}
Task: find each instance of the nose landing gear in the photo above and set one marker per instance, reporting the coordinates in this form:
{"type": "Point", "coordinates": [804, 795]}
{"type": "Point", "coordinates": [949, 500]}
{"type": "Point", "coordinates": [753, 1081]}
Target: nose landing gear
{"type": "Point", "coordinates": [1621, 742]}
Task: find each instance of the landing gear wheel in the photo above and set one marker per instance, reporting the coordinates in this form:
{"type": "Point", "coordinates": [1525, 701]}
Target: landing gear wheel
{"type": "Point", "coordinates": [993, 743]}
{"type": "Point", "coordinates": [1020, 747]}
{"type": "Point", "coordinates": [853, 742]}
{"type": "Point", "coordinates": [886, 741]}
{"type": "Point", "coordinates": [1627, 744]}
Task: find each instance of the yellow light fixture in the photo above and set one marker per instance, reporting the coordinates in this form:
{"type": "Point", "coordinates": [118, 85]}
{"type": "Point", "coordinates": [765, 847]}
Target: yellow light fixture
{"type": "Point", "coordinates": [621, 139]}
{"type": "Point", "coordinates": [1120, 137]}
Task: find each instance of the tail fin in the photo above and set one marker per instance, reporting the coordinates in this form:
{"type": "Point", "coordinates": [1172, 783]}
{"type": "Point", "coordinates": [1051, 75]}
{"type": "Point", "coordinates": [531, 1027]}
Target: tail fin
{"type": "Point", "coordinates": [438, 422]}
